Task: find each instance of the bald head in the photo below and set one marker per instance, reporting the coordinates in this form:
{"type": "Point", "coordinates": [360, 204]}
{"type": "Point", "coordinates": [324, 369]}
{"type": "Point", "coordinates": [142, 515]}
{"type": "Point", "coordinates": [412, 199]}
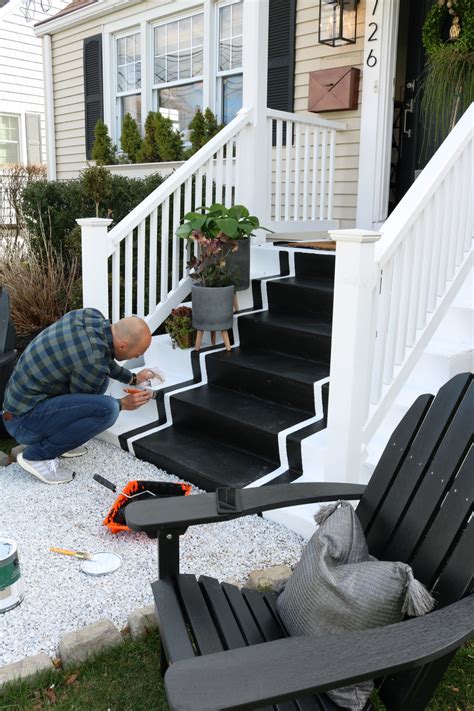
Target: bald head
{"type": "Point", "coordinates": [131, 336]}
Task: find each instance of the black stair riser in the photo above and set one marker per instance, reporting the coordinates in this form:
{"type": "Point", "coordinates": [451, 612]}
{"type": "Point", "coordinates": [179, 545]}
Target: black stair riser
{"type": "Point", "coordinates": [290, 298]}
{"type": "Point", "coordinates": [313, 346]}
{"type": "Point", "coordinates": [228, 430]}
{"type": "Point", "coordinates": [315, 265]}
{"type": "Point", "coordinates": [187, 472]}
{"type": "Point", "coordinates": [268, 386]}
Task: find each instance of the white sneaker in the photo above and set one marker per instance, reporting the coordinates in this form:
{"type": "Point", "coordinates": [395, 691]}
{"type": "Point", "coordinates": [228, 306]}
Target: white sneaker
{"type": "Point", "coordinates": [77, 452]}
{"type": "Point", "coordinates": [48, 471]}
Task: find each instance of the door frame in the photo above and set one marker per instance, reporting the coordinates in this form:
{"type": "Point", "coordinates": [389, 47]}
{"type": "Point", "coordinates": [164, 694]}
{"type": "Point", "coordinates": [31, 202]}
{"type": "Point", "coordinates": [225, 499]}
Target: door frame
{"type": "Point", "coordinates": [378, 86]}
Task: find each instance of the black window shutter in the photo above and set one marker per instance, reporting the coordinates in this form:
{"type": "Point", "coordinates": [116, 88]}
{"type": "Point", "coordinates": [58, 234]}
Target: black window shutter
{"type": "Point", "coordinates": [281, 55]}
{"type": "Point", "coordinates": [93, 95]}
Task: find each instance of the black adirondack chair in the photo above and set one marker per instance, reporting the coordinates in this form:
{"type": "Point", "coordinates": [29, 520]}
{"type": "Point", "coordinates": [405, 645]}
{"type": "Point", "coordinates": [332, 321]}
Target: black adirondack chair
{"type": "Point", "coordinates": [225, 648]}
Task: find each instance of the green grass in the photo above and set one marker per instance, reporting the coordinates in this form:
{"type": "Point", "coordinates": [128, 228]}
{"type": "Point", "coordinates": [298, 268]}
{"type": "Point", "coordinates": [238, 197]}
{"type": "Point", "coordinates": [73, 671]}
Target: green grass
{"type": "Point", "coordinates": [127, 679]}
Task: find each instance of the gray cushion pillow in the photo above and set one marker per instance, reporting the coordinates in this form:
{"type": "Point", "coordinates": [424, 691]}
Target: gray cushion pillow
{"type": "Point", "coordinates": [337, 586]}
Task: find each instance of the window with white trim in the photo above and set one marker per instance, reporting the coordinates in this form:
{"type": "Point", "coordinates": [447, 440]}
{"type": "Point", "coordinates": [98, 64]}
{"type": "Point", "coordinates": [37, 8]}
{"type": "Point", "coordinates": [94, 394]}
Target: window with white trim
{"type": "Point", "coordinates": [33, 139]}
{"type": "Point", "coordinates": [9, 139]}
{"type": "Point", "coordinates": [128, 78]}
{"type": "Point", "coordinates": [178, 49]}
{"type": "Point", "coordinates": [229, 60]}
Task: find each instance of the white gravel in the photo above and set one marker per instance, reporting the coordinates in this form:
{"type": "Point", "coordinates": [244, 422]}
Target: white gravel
{"type": "Point", "coordinates": [60, 597]}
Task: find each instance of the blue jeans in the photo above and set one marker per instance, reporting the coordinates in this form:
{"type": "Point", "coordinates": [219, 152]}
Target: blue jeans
{"type": "Point", "coordinates": [61, 423]}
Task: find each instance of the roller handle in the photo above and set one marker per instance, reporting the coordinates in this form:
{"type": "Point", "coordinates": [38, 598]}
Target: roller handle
{"type": "Point", "coordinates": [105, 482]}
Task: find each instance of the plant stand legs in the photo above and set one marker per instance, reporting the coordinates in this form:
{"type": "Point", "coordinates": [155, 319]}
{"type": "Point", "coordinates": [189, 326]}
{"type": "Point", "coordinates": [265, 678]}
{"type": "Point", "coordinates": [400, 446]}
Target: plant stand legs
{"type": "Point", "coordinates": [225, 338]}
{"type": "Point", "coordinates": [235, 302]}
{"type": "Point", "coordinates": [199, 336]}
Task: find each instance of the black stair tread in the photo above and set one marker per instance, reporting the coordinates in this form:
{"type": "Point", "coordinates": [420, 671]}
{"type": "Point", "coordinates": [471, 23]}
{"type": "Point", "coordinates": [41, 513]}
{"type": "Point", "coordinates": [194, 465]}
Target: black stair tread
{"type": "Point", "coordinates": [204, 461]}
{"type": "Point", "coordinates": [316, 283]}
{"type": "Point", "coordinates": [273, 363]}
{"type": "Point", "coordinates": [303, 322]}
{"type": "Point", "coordinates": [234, 405]}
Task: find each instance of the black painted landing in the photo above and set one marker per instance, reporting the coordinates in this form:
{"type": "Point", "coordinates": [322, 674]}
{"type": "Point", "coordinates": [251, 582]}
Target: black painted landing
{"type": "Point", "coordinates": [225, 432]}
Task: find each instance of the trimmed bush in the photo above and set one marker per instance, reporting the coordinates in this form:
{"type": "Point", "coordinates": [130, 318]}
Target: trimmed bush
{"type": "Point", "coordinates": [102, 151]}
{"type": "Point", "coordinates": [162, 142]}
{"type": "Point", "coordinates": [130, 140]}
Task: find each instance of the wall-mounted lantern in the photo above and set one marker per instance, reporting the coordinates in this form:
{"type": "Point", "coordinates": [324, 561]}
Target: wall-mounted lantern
{"type": "Point", "coordinates": [337, 22]}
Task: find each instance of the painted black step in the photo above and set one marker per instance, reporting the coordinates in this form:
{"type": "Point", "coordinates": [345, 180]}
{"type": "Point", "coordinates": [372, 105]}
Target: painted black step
{"type": "Point", "coordinates": [206, 462]}
{"type": "Point", "coordinates": [298, 334]}
{"type": "Point", "coordinates": [276, 377]}
{"type": "Point", "coordinates": [308, 265]}
{"type": "Point", "coordinates": [293, 444]}
{"type": "Point", "coordinates": [302, 294]}
{"type": "Point", "coordinates": [234, 417]}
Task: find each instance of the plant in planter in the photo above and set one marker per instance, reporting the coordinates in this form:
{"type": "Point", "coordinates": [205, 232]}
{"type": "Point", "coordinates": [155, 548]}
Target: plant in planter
{"type": "Point", "coordinates": [448, 87]}
{"type": "Point", "coordinates": [179, 326]}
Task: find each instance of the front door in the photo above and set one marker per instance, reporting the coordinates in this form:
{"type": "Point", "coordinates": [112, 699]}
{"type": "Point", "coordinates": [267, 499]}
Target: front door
{"type": "Point", "coordinates": [412, 147]}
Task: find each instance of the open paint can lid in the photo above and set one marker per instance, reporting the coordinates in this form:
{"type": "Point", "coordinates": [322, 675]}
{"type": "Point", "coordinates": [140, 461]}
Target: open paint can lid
{"type": "Point", "coordinates": [102, 564]}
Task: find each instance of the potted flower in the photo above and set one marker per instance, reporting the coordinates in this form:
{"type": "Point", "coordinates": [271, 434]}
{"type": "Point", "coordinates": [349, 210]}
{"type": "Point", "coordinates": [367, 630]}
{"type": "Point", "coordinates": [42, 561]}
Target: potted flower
{"type": "Point", "coordinates": [234, 224]}
{"type": "Point", "coordinates": [179, 326]}
{"type": "Point", "coordinates": [212, 292]}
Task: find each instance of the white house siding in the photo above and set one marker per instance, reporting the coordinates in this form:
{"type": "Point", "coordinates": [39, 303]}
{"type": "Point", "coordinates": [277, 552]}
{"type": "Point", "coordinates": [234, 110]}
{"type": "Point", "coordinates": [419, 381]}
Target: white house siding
{"type": "Point", "coordinates": [311, 56]}
{"type": "Point", "coordinates": [21, 67]}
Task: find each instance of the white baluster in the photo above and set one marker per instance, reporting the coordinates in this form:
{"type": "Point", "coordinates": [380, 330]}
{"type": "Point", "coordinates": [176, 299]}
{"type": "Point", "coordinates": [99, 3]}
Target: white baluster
{"type": "Point", "coordinates": [165, 239]}
{"type": "Point", "coordinates": [323, 185]}
{"type": "Point", "coordinates": [426, 265]}
{"type": "Point", "coordinates": [288, 167]}
{"type": "Point", "coordinates": [407, 270]}
{"type": "Point", "coordinates": [306, 173]}
{"type": "Point", "coordinates": [153, 260]}
{"type": "Point", "coordinates": [465, 203]}
{"type": "Point", "coordinates": [393, 316]}
{"type": "Point", "coordinates": [332, 150]}
{"type": "Point", "coordinates": [278, 174]}
{"type": "Point", "coordinates": [296, 206]}
{"type": "Point", "coordinates": [443, 262]}
{"type": "Point", "coordinates": [418, 236]}
{"type": "Point", "coordinates": [219, 174]}
{"type": "Point", "coordinates": [454, 221]}
{"type": "Point", "coordinates": [141, 270]}
{"type": "Point", "coordinates": [314, 184]}
{"type": "Point", "coordinates": [129, 274]}
{"type": "Point", "coordinates": [176, 241]}
{"type": "Point", "coordinates": [436, 238]}
{"type": "Point", "coordinates": [187, 208]}
{"type": "Point", "coordinates": [229, 177]}
{"type": "Point", "coordinates": [198, 189]}
{"type": "Point", "coordinates": [382, 311]}
{"type": "Point", "coordinates": [116, 284]}
{"type": "Point", "coordinates": [209, 182]}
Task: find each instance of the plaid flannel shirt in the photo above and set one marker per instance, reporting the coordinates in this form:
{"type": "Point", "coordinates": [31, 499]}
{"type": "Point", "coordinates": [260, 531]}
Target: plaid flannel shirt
{"type": "Point", "coordinates": [73, 355]}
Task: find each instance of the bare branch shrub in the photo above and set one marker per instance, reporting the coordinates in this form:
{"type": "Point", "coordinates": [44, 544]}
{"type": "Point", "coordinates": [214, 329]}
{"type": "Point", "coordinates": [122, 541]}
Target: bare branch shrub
{"type": "Point", "coordinates": [15, 177]}
{"type": "Point", "coordinates": [41, 286]}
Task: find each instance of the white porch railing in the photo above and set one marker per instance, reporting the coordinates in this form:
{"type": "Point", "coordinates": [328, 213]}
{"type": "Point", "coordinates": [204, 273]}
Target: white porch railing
{"type": "Point", "coordinates": [391, 291]}
{"type": "Point", "coordinates": [302, 167]}
{"type": "Point", "coordinates": [145, 259]}
{"type": "Point", "coordinates": [140, 267]}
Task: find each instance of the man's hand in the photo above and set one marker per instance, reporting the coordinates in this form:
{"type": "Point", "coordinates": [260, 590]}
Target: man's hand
{"type": "Point", "coordinates": [149, 374]}
{"type": "Point", "coordinates": [135, 398]}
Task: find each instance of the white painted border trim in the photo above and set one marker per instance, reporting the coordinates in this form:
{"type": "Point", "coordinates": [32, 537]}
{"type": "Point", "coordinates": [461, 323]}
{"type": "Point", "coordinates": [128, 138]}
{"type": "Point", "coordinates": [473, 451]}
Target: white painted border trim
{"type": "Point", "coordinates": [377, 115]}
{"type": "Point", "coordinates": [79, 17]}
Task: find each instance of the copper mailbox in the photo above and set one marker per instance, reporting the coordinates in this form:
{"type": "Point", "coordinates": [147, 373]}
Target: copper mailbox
{"type": "Point", "coordinates": [333, 89]}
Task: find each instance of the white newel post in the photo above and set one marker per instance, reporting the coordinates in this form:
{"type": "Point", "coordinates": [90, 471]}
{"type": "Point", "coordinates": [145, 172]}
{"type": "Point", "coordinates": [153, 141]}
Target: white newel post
{"type": "Point", "coordinates": [253, 180]}
{"type": "Point", "coordinates": [95, 278]}
{"type": "Point", "coordinates": [353, 335]}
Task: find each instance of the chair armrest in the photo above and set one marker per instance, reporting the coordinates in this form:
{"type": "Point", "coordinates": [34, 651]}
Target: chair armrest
{"type": "Point", "coordinates": [180, 512]}
{"type": "Point", "coordinates": [295, 666]}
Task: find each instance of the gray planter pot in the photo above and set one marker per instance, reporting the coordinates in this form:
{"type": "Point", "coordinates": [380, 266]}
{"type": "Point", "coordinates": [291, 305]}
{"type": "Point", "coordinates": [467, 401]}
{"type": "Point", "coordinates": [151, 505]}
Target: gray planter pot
{"type": "Point", "coordinates": [212, 307]}
{"type": "Point", "coordinates": [241, 260]}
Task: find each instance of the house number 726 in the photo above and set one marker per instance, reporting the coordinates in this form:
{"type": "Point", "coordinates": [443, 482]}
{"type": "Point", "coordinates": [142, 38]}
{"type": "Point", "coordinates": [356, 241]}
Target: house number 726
{"type": "Point", "coordinates": [371, 60]}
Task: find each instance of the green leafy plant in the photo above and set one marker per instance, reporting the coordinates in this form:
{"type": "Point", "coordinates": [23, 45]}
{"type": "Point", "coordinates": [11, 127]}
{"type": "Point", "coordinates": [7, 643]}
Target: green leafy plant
{"type": "Point", "coordinates": [162, 141]}
{"type": "Point", "coordinates": [216, 230]}
{"type": "Point", "coordinates": [448, 84]}
{"type": "Point", "coordinates": [179, 325]}
{"type": "Point", "coordinates": [130, 140]}
{"type": "Point", "coordinates": [103, 151]}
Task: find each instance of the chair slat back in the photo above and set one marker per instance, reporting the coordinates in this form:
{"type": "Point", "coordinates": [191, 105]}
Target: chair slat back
{"type": "Point", "coordinates": [418, 508]}
{"type": "Point", "coordinates": [398, 507]}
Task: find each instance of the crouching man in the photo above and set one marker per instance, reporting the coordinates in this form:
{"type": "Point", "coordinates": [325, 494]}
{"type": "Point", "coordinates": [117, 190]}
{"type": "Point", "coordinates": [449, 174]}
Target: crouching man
{"type": "Point", "coordinates": [54, 400]}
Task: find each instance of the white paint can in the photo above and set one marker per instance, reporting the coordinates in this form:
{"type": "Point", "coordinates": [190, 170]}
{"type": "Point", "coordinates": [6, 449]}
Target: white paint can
{"type": "Point", "coordinates": [12, 589]}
